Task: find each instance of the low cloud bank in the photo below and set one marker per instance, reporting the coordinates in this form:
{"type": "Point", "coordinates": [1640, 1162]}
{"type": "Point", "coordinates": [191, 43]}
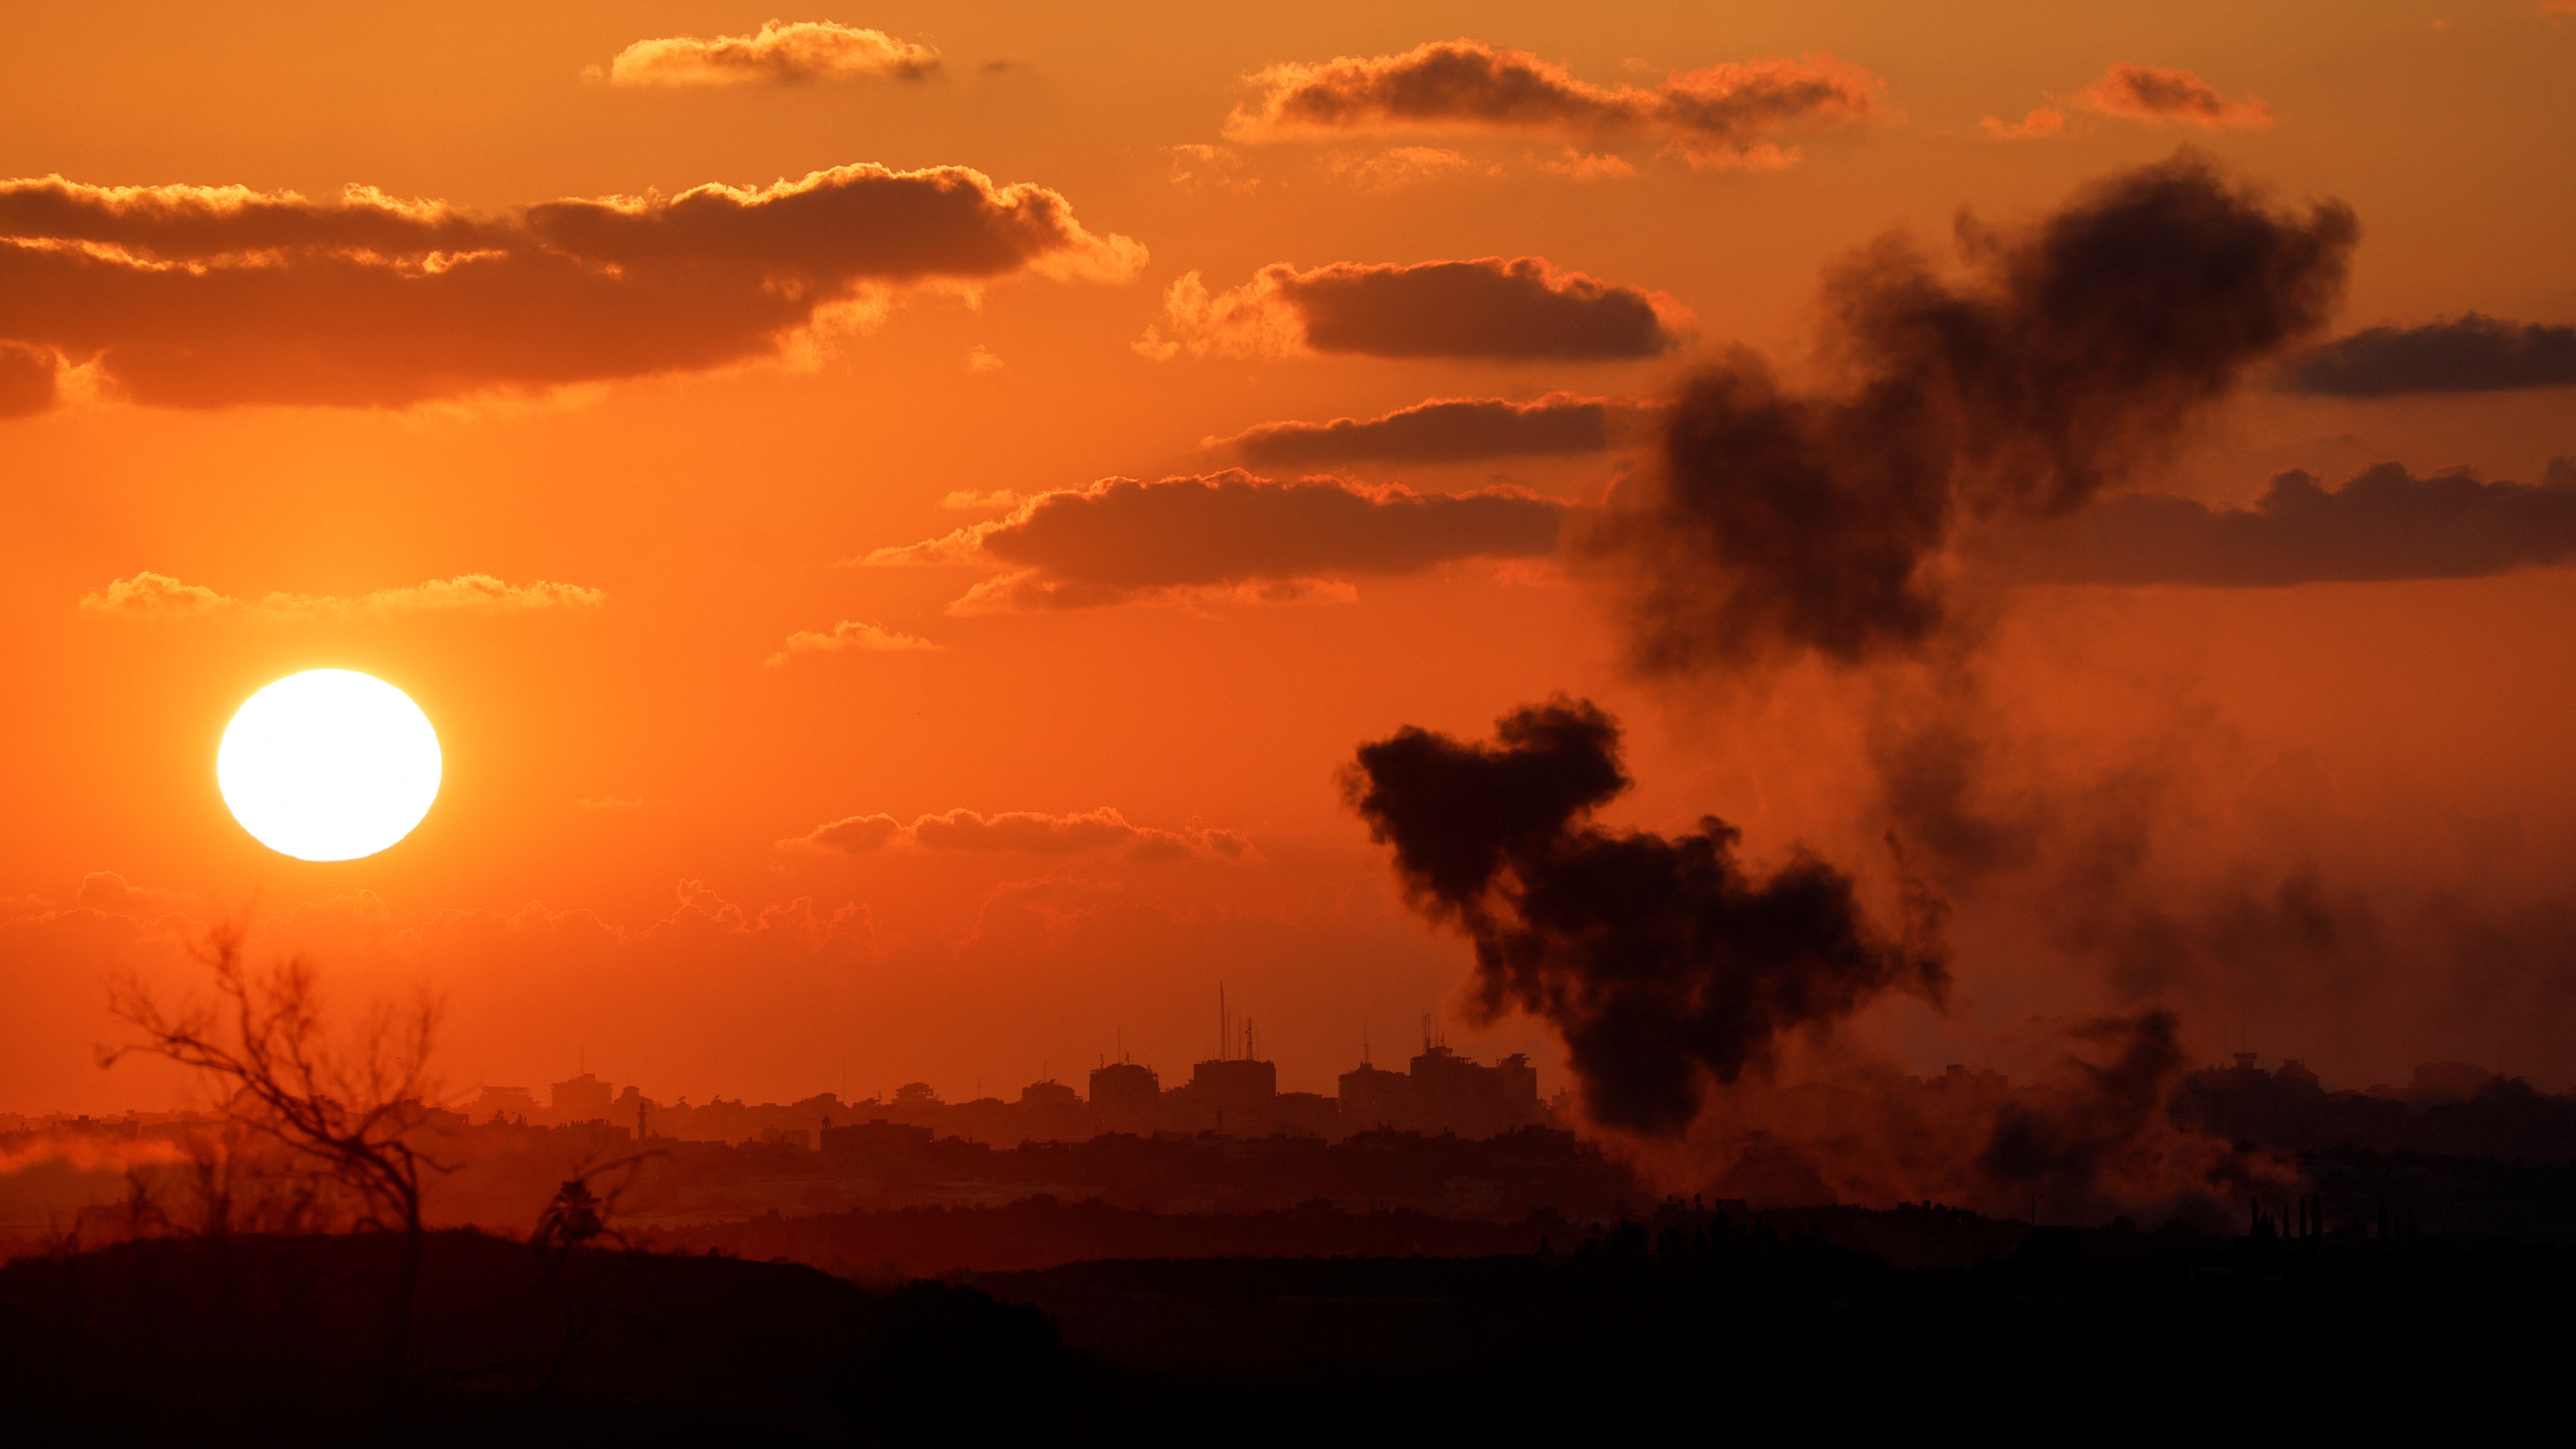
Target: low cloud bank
{"type": "Point", "coordinates": [1120, 540]}
{"type": "Point", "coordinates": [2470, 353]}
{"type": "Point", "coordinates": [1444, 430]}
{"type": "Point", "coordinates": [2384, 524]}
{"type": "Point", "coordinates": [215, 296]}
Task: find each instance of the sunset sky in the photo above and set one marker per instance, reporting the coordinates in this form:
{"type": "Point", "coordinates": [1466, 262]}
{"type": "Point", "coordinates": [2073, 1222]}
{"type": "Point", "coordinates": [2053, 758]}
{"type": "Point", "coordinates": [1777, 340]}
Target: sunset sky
{"type": "Point", "coordinates": [718, 432]}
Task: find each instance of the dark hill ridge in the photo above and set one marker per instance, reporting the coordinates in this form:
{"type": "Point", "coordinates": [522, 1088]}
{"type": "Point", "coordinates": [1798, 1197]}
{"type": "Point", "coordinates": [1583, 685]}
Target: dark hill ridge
{"type": "Point", "coordinates": [2339, 1307]}
{"type": "Point", "coordinates": [285, 1337]}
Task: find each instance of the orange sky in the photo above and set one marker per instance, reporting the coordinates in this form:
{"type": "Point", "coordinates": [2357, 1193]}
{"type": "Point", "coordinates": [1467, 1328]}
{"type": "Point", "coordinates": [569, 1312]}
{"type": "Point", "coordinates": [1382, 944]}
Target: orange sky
{"type": "Point", "coordinates": [712, 411]}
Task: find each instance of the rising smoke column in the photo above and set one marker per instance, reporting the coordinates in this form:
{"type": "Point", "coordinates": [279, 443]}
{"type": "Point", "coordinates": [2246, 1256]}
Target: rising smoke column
{"type": "Point", "coordinates": [1661, 961]}
{"type": "Point", "coordinates": [1789, 519]}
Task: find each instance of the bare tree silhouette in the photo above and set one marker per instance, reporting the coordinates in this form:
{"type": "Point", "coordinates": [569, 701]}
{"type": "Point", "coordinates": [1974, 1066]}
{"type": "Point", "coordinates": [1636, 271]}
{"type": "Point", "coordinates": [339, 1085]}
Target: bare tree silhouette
{"type": "Point", "coordinates": [344, 1112]}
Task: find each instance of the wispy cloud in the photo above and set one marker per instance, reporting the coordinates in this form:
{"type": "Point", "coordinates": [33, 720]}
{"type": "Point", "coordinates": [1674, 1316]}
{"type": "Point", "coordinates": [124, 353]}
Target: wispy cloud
{"type": "Point", "coordinates": [1025, 832]}
{"type": "Point", "coordinates": [847, 635]}
{"type": "Point", "coordinates": [150, 595]}
{"type": "Point", "coordinates": [2161, 96]}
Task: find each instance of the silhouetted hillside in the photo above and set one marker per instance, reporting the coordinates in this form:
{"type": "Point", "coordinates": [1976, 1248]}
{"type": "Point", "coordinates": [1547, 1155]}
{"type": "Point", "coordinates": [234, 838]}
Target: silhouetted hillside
{"type": "Point", "coordinates": [1715, 1331]}
{"type": "Point", "coordinates": [283, 1338]}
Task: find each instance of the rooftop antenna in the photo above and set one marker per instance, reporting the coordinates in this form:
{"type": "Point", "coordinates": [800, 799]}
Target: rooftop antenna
{"type": "Point", "coordinates": [1224, 1023]}
{"type": "Point", "coordinates": [1364, 1047]}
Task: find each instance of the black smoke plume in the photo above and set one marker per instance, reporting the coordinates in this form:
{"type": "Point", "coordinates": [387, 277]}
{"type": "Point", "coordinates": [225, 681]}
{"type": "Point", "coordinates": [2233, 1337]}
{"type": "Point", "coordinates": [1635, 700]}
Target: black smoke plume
{"type": "Point", "coordinates": [2072, 1147]}
{"type": "Point", "coordinates": [2075, 349]}
{"type": "Point", "coordinates": [1662, 962]}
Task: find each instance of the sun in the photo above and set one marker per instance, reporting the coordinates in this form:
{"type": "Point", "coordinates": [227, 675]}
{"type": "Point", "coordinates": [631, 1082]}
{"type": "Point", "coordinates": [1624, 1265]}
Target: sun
{"type": "Point", "coordinates": [329, 764]}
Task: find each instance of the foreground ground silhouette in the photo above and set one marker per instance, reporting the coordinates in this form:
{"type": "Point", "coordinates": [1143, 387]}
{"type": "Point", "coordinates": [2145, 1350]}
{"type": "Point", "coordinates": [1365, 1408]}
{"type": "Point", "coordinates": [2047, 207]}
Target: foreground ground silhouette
{"type": "Point", "coordinates": [282, 1339]}
{"type": "Point", "coordinates": [1691, 1323]}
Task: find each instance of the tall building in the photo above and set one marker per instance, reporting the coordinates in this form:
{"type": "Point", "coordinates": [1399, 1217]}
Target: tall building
{"type": "Point", "coordinates": [1241, 1093]}
{"type": "Point", "coordinates": [583, 1099]}
{"type": "Point", "coordinates": [1126, 1097]}
{"type": "Point", "coordinates": [1444, 1092]}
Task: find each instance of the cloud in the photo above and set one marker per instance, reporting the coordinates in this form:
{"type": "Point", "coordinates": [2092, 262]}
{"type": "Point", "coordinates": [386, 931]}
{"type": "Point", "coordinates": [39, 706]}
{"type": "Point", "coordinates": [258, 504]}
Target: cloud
{"type": "Point", "coordinates": [780, 54]}
{"type": "Point", "coordinates": [1523, 308]}
{"type": "Point", "coordinates": [1121, 540]}
{"type": "Point", "coordinates": [1204, 168]}
{"type": "Point", "coordinates": [2383, 524]}
{"type": "Point", "coordinates": [2159, 96]}
{"type": "Point", "coordinates": [1577, 165]}
{"type": "Point", "coordinates": [26, 380]}
{"type": "Point", "coordinates": [2042, 121]}
{"type": "Point", "coordinates": [149, 595]}
{"type": "Point", "coordinates": [1444, 430]}
{"type": "Point", "coordinates": [1025, 832]}
{"type": "Point", "coordinates": [192, 296]}
{"type": "Point", "coordinates": [1399, 167]}
{"type": "Point", "coordinates": [1720, 116]}
{"type": "Point", "coordinates": [847, 634]}
{"type": "Point", "coordinates": [2469, 354]}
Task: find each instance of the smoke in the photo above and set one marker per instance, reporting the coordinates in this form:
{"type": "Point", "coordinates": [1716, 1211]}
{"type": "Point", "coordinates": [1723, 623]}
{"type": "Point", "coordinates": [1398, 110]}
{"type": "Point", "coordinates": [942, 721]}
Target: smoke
{"type": "Point", "coordinates": [2075, 350]}
{"type": "Point", "coordinates": [1818, 518]}
{"type": "Point", "coordinates": [2091, 1134]}
{"type": "Point", "coordinates": [1663, 962]}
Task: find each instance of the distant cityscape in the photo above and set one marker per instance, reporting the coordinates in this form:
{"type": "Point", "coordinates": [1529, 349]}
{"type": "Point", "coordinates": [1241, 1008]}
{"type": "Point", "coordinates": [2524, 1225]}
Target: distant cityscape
{"type": "Point", "coordinates": [1231, 1095]}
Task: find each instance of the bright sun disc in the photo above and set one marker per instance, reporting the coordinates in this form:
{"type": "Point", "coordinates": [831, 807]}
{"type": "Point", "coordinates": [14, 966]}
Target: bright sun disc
{"type": "Point", "coordinates": [329, 764]}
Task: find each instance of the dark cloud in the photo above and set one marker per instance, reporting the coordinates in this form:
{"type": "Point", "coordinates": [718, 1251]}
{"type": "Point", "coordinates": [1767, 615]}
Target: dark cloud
{"type": "Point", "coordinates": [1819, 519]}
{"type": "Point", "coordinates": [1120, 539]}
{"type": "Point", "coordinates": [26, 381]}
{"type": "Point", "coordinates": [2383, 524]}
{"type": "Point", "coordinates": [1663, 962]}
{"type": "Point", "coordinates": [212, 296]}
{"type": "Point", "coordinates": [1443, 430]}
{"type": "Point", "coordinates": [2468, 354]}
{"type": "Point", "coordinates": [1723, 115]}
{"type": "Point", "coordinates": [1520, 308]}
